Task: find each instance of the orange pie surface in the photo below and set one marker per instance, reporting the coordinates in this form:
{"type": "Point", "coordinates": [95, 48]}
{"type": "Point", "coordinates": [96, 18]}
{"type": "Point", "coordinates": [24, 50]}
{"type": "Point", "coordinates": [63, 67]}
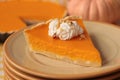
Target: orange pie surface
{"type": "Point", "coordinates": [27, 10]}
{"type": "Point", "coordinates": [34, 10]}
{"type": "Point", "coordinates": [10, 23]}
{"type": "Point", "coordinates": [73, 49]}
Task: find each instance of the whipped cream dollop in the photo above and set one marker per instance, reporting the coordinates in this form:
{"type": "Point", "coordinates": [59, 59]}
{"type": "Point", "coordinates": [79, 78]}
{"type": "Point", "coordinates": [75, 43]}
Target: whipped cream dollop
{"type": "Point", "coordinates": [64, 30]}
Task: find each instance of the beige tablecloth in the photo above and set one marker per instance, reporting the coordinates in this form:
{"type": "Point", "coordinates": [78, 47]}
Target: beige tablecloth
{"type": "Point", "coordinates": [1, 66]}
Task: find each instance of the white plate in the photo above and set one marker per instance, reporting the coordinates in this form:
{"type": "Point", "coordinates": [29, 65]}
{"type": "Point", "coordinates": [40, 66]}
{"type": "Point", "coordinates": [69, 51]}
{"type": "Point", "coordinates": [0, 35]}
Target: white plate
{"type": "Point", "coordinates": [105, 37]}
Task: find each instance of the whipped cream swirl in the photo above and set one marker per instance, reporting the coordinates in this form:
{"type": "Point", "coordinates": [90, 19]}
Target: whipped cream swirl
{"type": "Point", "coordinates": [64, 30]}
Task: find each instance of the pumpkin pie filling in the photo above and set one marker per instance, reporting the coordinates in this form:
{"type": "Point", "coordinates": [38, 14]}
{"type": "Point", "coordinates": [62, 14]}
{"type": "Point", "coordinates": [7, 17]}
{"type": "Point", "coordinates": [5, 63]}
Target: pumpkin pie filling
{"type": "Point", "coordinates": [15, 15]}
{"type": "Point", "coordinates": [74, 50]}
{"type": "Point", "coordinates": [33, 10]}
{"type": "Point", "coordinates": [10, 23]}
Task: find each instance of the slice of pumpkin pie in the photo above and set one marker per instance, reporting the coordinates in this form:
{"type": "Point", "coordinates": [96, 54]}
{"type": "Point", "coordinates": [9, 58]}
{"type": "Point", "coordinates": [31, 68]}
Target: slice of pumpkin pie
{"type": "Point", "coordinates": [63, 39]}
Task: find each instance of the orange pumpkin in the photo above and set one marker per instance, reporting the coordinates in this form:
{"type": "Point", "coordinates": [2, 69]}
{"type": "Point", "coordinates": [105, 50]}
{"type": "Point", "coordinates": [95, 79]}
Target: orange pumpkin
{"type": "Point", "coordinates": [101, 10]}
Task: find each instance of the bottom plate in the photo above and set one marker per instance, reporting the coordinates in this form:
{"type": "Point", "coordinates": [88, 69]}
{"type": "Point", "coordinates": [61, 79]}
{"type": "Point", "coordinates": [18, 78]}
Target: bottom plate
{"type": "Point", "coordinates": [104, 36]}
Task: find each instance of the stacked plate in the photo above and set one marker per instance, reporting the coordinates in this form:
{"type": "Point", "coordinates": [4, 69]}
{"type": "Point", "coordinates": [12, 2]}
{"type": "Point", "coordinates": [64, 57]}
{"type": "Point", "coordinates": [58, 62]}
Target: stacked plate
{"type": "Point", "coordinates": [20, 64]}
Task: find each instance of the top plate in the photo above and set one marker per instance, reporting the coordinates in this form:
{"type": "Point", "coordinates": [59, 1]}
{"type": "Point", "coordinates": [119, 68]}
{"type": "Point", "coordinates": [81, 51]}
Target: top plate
{"type": "Point", "coordinates": [104, 36]}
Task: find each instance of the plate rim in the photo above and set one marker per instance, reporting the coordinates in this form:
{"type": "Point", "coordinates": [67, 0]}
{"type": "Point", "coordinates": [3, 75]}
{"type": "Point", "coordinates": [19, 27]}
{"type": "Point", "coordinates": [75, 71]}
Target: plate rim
{"type": "Point", "coordinates": [15, 70]}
